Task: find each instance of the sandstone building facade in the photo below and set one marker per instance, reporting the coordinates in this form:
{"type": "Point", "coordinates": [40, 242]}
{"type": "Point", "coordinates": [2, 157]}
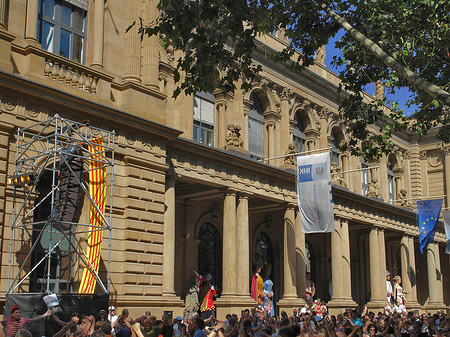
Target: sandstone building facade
{"type": "Point", "coordinates": [191, 186]}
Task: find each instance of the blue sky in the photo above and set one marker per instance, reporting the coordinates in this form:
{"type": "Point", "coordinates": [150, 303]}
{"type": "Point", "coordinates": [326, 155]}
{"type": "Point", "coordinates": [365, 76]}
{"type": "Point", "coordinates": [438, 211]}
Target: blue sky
{"type": "Point", "coordinates": [402, 94]}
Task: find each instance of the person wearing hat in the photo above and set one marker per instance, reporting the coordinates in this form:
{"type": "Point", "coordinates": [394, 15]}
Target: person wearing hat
{"type": "Point", "coordinates": [101, 319]}
{"type": "Point", "coordinates": [112, 317]}
{"type": "Point", "coordinates": [389, 287]}
{"type": "Point", "coordinates": [16, 322]}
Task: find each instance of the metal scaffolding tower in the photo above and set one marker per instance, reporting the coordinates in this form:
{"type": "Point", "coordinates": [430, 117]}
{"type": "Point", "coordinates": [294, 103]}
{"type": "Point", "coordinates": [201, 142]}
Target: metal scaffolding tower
{"type": "Point", "coordinates": [57, 154]}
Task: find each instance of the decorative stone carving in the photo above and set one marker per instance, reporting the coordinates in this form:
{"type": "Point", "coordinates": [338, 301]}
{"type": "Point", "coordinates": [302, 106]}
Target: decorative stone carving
{"type": "Point", "coordinates": [423, 155]}
{"type": "Point", "coordinates": [323, 112]}
{"type": "Point", "coordinates": [8, 103]}
{"type": "Point", "coordinates": [233, 137]}
{"type": "Point", "coordinates": [446, 150]}
{"type": "Point", "coordinates": [372, 192]}
{"type": "Point", "coordinates": [402, 196]}
{"type": "Point", "coordinates": [321, 55]}
{"type": "Point", "coordinates": [290, 161]}
{"type": "Point", "coordinates": [286, 94]}
{"type": "Point", "coordinates": [336, 176]}
{"type": "Point", "coordinates": [277, 100]}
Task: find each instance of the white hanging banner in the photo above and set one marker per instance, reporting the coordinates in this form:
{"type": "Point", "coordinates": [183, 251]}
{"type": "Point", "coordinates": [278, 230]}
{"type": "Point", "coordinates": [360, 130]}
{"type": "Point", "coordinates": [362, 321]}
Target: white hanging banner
{"type": "Point", "coordinates": [314, 196]}
{"type": "Point", "coordinates": [446, 215]}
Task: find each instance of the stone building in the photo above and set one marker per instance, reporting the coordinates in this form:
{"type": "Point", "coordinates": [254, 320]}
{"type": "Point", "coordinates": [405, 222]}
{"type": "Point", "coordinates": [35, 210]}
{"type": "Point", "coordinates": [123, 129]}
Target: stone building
{"type": "Point", "coordinates": [192, 188]}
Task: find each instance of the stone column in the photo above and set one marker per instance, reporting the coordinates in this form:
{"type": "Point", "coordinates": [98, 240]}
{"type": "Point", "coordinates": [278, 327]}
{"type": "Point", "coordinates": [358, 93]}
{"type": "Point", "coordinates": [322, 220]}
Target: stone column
{"type": "Point", "coordinates": [300, 256]}
{"type": "Point", "coordinates": [408, 271]}
{"type": "Point", "coordinates": [3, 11]}
{"type": "Point", "coordinates": [169, 238]}
{"type": "Point", "coordinates": [229, 244]}
{"type": "Point", "coordinates": [97, 46]}
{"type": "Point", "coordinates": [243, 246]}
{"type": "Point", "coordinates": [150, 60]}
{"type": "Point", "coordinates": [221, 127]}
{"type": "Point", "coordinates": [286, 138]}
{"type": "Point", "coordinates": [271, 135]}
{"type": "Point", "coordinates": [435, 299]}
{"type": "Point", "coordinates": [290, 275]}
{"type": "Point", "coordinates": [447, 174]}
{"type": "Point", "coordinates": [378, 295]}
{"type": "Point", "coordinates": [345, 168]}
{"type": "Point", "coordinates": [382, 264]}
{"type": "Point", "coordinates": [31, 21]}
{"type": "Point", "coordinates": [346, 264]}
{"type": "Point", "coordinates": [412, 271]}
{"type": "Point", "coordinates": [336, 262]}
{"type": "Point", "coordinates": [132, 59]}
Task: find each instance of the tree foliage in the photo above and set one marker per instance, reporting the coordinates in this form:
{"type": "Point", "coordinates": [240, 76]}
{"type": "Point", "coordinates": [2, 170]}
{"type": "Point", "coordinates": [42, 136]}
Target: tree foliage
{"type": "Point", "coordinates": [218, 38]}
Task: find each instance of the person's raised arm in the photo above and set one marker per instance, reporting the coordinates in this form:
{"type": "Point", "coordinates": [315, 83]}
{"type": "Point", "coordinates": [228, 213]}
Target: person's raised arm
{"type": "Point", "coordinates": [57, 320]}
{"type": "Point", "coordinates": [65, 328]}
{"type": "Point", "coordinates": [37, 318]}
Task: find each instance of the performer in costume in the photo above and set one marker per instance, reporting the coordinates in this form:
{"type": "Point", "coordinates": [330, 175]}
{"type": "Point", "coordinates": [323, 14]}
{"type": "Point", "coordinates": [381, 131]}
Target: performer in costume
{"type": "Point", "coordinates": [207, 294]}
{"type": "Point", "coordinates": [257, 291]}
{"type": "Point", "coordinates": [399, 296]}
{"type": "Point", "coordinates": [268, 293]}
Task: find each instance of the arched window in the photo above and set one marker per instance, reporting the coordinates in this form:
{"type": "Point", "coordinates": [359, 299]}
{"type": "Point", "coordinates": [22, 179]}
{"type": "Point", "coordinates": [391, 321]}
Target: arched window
{"type": "Point", "coordinates": [256, 128]}
{"type": "Point", "coordinates": [210, 252]}
{"type": "Point", "coordinates": [263, 250]}
{"type": "Point", "coordinates": [204, 118]}
{"type": "Point", "coordinates": [299, 137]}
{"type": "Point", "coordinates": [335, 148]}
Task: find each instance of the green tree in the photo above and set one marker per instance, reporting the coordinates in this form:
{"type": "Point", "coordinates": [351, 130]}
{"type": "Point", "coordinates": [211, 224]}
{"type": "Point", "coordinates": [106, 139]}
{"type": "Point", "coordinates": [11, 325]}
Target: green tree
{"type": "Point", "coordinates": [398, 43]}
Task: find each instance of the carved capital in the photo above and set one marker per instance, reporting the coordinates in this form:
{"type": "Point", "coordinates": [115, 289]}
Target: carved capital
{"type": "Point", "coordinates": [423, 155]}
{"type": "Point", "coordinates": [446, 150]}
{"type": "Point", "coordinates": [286, 94]}
{"type": "Point", "coordinates": [323, 112]}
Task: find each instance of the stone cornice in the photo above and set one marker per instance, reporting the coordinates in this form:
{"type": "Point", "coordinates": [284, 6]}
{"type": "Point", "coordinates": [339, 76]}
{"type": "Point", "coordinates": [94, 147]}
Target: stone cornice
{"type": "Point", "coordinates": [17, 86]}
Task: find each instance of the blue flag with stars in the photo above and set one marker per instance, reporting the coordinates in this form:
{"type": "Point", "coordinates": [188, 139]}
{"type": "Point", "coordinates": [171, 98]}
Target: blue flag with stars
{"type": "Point", "coordinates": [428, 213]}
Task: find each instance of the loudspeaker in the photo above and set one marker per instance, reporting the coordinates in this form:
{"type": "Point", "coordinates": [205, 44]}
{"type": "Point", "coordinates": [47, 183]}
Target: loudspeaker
{"type": "Point", "coordinates": [68, 195]}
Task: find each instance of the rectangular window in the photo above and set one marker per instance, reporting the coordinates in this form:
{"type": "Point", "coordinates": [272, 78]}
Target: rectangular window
{"type": "Point", "coordinates": [299, 144]}
{"type": "Point", "coordinates": [364, 179]}
{"type": "Point", "coordinates": [256, 139]}
{"type": "Point", "coordinates": [62, 28]}
{"type": "Point", "coordinates": [391, 188]}
{"type": "Point", "coordinates": [204, 118]}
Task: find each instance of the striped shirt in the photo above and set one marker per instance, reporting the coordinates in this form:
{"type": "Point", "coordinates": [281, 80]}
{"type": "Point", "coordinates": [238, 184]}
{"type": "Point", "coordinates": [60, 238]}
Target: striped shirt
{"type": "Point", "coordinates": [12, 326]}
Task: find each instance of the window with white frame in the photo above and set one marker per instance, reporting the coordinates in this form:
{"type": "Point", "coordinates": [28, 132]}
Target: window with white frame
{"type": "Point", "coordinates": [62, 28]}
{"type": "Point", "coordinates": [334, 153]}
{"type": "Point", "coordinates": [204, 118]}
{"type": "Point", "coordinates": [390, 184]}
{"type": "Point", "coordinates": [256, 129]}
{"type": "Point", "coordinates": [364, 178]}
{"type": "Point", "coordinates": [299, 137]}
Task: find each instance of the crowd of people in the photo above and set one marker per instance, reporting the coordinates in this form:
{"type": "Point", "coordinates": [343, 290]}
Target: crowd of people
{"type": "Point", "coordinates": [308, 321]}
{"type": "Point", "coordinates": [199, 319]}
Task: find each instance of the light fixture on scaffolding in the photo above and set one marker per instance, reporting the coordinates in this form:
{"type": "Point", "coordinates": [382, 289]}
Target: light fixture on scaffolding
{"type": "Point", "coordinates": [19, 180]}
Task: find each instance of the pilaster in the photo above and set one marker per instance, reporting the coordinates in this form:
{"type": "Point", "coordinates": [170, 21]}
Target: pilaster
{"type": "Point", "coordinates": [99, 13]}
{"type": "Point", "coordinates": [169, 238]}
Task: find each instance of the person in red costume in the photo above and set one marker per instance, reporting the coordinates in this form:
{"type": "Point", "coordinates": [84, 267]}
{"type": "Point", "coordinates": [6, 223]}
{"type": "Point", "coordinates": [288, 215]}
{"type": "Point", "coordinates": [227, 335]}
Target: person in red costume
{"type": "Point", "coordinates": [207, 294]}
{"type": "Point", "coordinates": [257, 290]}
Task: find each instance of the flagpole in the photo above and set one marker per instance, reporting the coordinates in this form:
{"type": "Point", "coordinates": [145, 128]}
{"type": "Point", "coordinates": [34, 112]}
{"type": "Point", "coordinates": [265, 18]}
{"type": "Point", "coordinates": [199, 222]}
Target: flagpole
{"type": "Point", "coordinates": [431, 197]}
{"type": "Point", "coordinates": [296, 154]}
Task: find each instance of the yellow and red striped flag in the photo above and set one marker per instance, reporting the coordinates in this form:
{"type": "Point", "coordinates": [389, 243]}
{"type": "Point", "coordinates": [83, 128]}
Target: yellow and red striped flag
{"type": "Point", "coordinates": [97, 190]}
